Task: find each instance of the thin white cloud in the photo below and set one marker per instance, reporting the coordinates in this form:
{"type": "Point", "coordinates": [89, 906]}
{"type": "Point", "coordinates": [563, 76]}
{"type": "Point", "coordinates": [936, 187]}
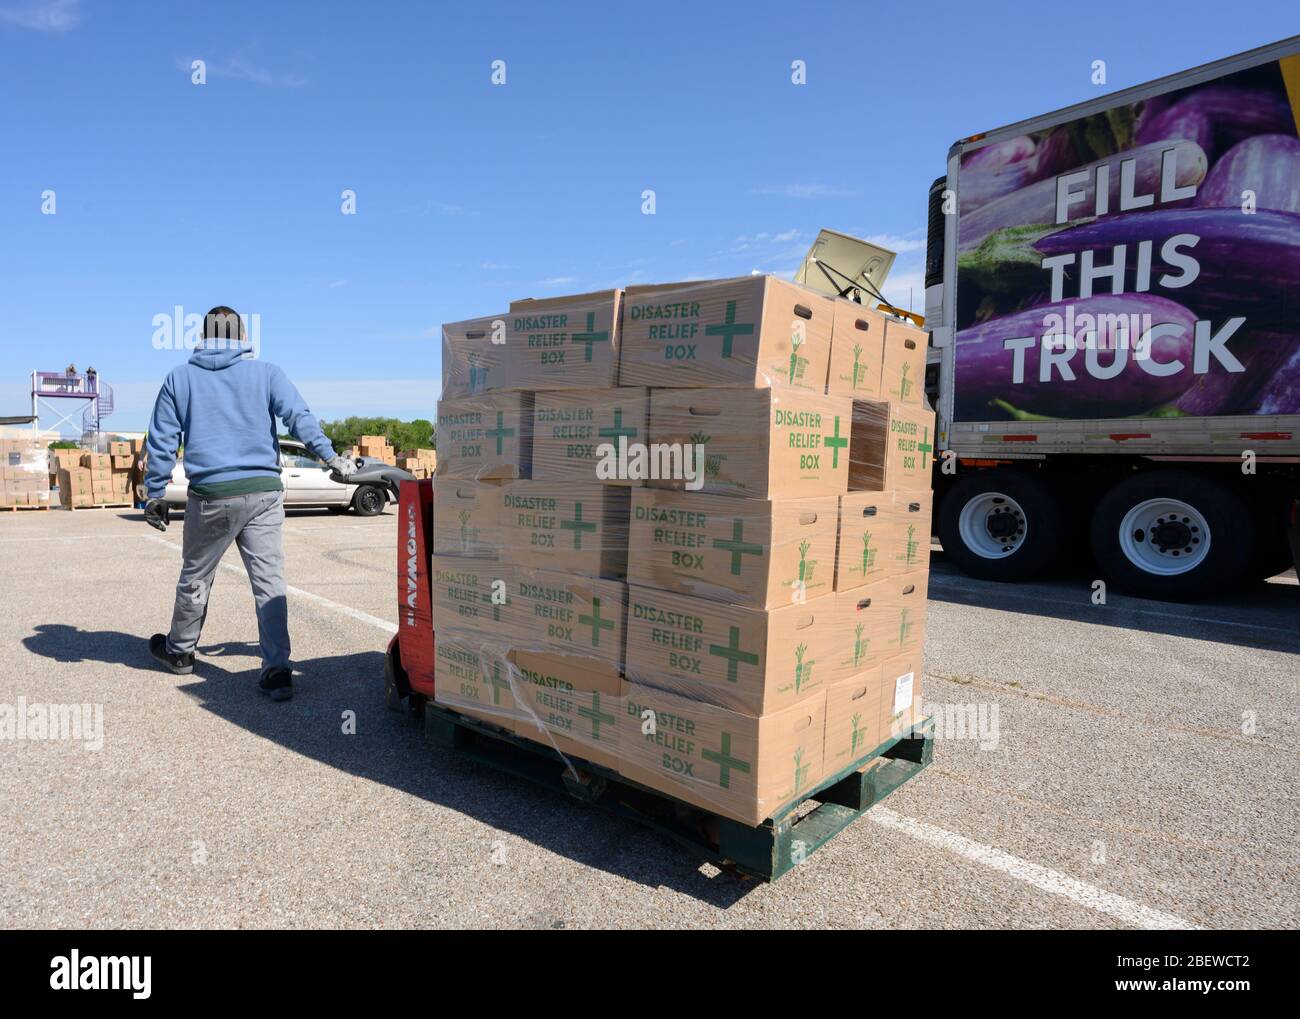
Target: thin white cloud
{"type": "Point", "coordinates": [239, 67]}
{"type": "Point", "coordinates": [44, 15]}
{"type": "Point", "coordinates": [900, 245]}
{"type": "Point", "coordinates": [338, 283]}
{"type": "Point", "coordinates": [557, 281]}
{"type": "Point", "coordinates": [804, 191]}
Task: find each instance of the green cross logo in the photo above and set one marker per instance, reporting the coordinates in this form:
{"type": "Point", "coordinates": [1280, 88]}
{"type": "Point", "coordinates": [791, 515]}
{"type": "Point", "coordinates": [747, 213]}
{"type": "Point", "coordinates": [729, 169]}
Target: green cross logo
{"type": "Point", "coordinates": [577, 525]}
{"type": "Point", "coordinates": [925, 446]}
{"type": "Point", "coordinates": [595, 622]}
{"type": "Point", "coordinates": [725, 762]}
{"type": "Point", "coordinates": [590, 336]}
{"type": "Point", "coordinates": [729, 329]}
{"type": "Point", "coordinates": [736, 546]}
{"type": "Point", "coordinates": [497, 683]}
{"type": "Point", "coordinates": [500, 432]}
{"type": "Point", "coordinates": [618, 429]}
{"type": "Point", "coordinates": [836, 442]}
{"type": "Point", "coordinates": [496, 608]}
{"type": "Point", "coordinates": [596, 715]}
{"type": "Point", "coordinates": [732, 653]}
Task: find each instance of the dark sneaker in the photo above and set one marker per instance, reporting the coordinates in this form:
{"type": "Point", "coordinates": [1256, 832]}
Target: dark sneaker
{"type": "Point", "coordinates": [278, 683]}
{"type": "Point", "coordinates": [180, 664]}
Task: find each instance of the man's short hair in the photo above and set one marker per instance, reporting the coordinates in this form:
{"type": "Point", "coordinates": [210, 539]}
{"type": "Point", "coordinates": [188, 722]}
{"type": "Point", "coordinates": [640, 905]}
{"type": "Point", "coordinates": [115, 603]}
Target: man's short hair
{"type": "Point", "coordinates": [223, 323]}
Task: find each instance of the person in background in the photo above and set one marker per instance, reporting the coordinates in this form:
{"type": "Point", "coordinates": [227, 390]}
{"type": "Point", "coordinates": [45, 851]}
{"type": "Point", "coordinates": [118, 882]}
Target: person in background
{"type": "Point", "coordinates": [222, 405]}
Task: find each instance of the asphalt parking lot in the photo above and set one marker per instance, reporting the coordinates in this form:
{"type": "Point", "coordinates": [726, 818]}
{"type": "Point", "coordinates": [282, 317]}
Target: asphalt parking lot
{"type": "Point", "coordinates": [1141, 772]}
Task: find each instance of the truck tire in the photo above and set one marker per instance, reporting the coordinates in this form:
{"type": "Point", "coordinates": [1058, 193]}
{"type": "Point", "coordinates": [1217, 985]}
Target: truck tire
{"type": "Point", "coordinates": [1000, 525]}
{"type": "Point", "coordinates": [370, 500]}
{"type": "Point", "coordinates": [1173, 535]}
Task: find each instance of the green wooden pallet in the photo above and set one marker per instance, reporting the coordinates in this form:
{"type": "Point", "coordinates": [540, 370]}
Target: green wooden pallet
{"type": "Point", "coordinates": [766, 851]}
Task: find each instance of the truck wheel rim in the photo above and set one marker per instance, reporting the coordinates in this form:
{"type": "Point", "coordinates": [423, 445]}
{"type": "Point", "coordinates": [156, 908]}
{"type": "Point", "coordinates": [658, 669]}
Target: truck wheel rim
{"type": "Point", "coordinates": [993, 525]}
{"type": "Point", "coordinates": [1164, 537]}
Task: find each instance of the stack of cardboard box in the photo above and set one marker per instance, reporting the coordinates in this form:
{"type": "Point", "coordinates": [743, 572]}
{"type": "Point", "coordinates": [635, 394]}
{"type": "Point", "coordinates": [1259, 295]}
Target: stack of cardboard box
{"type": "Point", "coordinates": [88, 478]}
{"type": "Point", "coordinates": [649, 524]}
{"type": "Point", "coordinates": [419, 463]}
{"type": "Point", "coordinates": [377, 446]}
{"type": "Point", "coordinates": [24, 474]}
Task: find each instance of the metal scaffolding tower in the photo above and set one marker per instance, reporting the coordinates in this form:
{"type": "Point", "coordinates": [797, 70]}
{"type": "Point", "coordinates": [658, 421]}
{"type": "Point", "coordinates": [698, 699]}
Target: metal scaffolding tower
{"type": "Point", "coordinates": [52, 391]}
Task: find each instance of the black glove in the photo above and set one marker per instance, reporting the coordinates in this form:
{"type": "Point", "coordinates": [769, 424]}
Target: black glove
{"type": "Point", "coordinates": [155, 512]}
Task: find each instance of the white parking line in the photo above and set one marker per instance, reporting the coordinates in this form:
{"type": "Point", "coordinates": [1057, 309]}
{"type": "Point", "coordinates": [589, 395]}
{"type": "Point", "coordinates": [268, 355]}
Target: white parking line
{"type": "Point", "coordinates": [1079, 892]}
{"type": "Point", "coordinates": [298, 592]}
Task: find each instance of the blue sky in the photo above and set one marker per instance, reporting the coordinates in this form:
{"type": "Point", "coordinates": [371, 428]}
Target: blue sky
{"type": "Point", "coordinates": [469, 194]}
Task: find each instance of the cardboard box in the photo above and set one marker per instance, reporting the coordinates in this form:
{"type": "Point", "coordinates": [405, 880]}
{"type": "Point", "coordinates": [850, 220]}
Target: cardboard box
{"type": "Point", "coordinates": [74, 480]}
{"type": "Point", "coordinates": [902, 373]}
{"type": "Point", "coordinates": [566, 342]}
{"type": "Point", "coordinates": [757, 443]}
{"type": "Point", "coordinates": [471, 596]}
{"type": "Point", "coordinates": [857, 349]}
{"type": "Point", "coordinates": [122, 463]}
{"type": "Point", "coordinates": [97, 461]}
{"type": "Point", "coordinates": [751, 331]}
{"type": "Point", "coordinates": [473, 677]}
{"type": "Point", "coordinates": [563, 525]}
{"type": "Point", "coordinates": [881, 534]}
{"type": "Point", "coordinates": [878, 621]}
{"type": "Point", "coordinates": [119, 448]}
{"type": "Point", "coordinates": [567, 704]}
{"type": "Point", "coordinates": [743, 767]}
{"type": "Point", "coordinates": [854, 723]}
{"type": "Point", "coordinates": [485, 437]}
{"type": "Point", "coordinates": [466, 518]}
{"type": "Point", "coordinates": [752, 661]}
{"type": "Point", "coordinates": [581, 618]}
{"type": "Point", "coordinates": [474, 356]}
{"type": "Point", "coordinates": [754, 552]}
{"type": "Point", "coordinates": [569, 429]}
{"type": "Point", "coordinates": [901, 705]}
{"type": "Point", "coordinates": [891, 447]}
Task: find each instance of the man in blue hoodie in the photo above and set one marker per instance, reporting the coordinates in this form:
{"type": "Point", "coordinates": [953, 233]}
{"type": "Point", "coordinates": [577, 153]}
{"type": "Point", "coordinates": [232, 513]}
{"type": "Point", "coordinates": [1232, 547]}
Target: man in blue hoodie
{"type": "Point", "coordinates": [222, 405]}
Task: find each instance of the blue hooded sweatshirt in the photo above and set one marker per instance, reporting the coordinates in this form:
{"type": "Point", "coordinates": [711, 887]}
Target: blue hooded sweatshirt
{"type": "Point", "coordinates": [223, 406]}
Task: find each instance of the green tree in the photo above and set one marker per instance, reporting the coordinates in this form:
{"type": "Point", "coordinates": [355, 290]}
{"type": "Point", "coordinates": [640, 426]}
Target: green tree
{"type": "Point", "coordinates": [417, 434]}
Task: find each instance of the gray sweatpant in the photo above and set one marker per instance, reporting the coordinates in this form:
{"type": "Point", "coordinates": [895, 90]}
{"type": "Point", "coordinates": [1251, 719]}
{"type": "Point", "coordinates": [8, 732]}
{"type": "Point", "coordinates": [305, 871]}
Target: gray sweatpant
{"type": "Point", "coordinates": [253, 523]}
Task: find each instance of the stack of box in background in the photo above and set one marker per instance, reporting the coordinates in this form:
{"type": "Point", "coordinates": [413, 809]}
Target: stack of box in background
{"type": "Point", "coordinates": [87, 478]}
{"type": "Point", "coordinates": [419, 463]}
{"type": "Point", "coordinates": [377, 446]}
{"type": "Point", "coordinates": [24, 474]}
{"type": "Point", "coordinates": [648, 533]}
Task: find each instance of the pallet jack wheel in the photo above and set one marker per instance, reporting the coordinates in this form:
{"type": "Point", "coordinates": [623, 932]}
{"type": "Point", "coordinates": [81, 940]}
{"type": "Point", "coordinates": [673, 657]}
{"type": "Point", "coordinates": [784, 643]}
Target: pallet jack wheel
{"type": "Point", "coordinates": [397, 686]}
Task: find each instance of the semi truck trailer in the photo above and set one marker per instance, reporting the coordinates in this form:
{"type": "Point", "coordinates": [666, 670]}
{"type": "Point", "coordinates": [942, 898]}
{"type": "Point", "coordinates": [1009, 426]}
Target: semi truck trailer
{"type": "Point", "coordinates": [1113, 302]}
